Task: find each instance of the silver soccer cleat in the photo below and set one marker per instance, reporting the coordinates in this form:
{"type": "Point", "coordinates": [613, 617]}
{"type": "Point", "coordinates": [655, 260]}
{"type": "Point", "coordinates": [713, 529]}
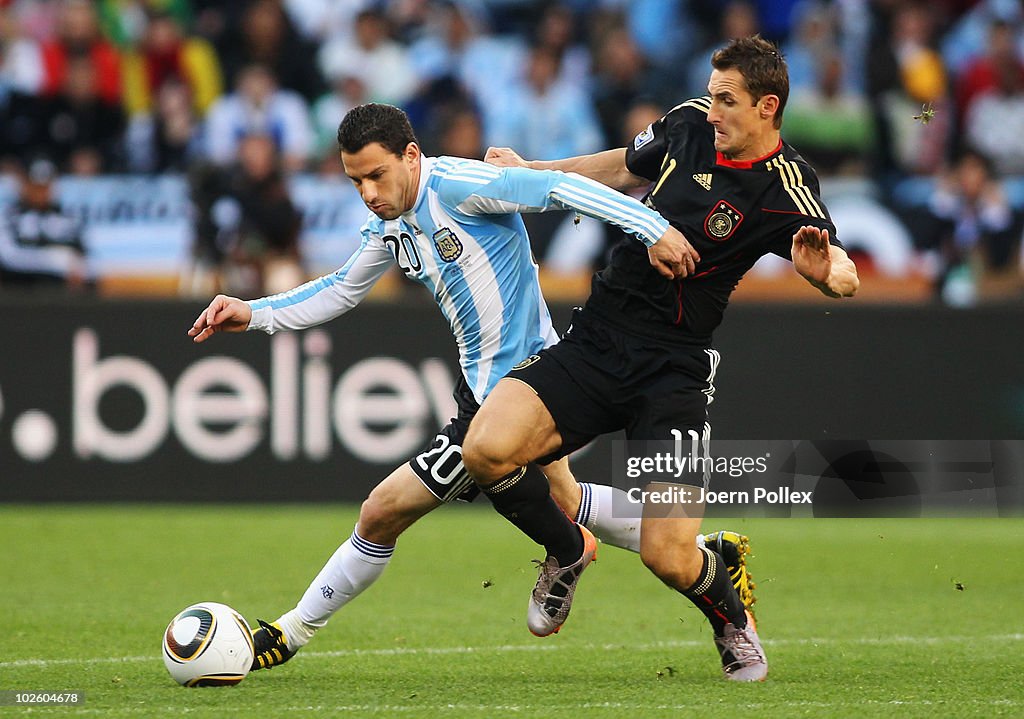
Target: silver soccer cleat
{"type": "Point", "coordinates": [743, 657]}
{"type": "Point", "coordinates": [552, 596]}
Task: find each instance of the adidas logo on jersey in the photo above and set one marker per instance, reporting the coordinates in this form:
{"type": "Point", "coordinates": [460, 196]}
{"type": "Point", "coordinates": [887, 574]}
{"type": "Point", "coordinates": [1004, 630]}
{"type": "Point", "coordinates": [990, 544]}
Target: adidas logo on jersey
{"type": "Point", "coordinates": [703, 179]}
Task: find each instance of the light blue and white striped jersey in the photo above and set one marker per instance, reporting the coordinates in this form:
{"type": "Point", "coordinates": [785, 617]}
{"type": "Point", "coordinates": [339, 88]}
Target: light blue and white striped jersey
{"type": "Point", "coordinates": [465, 241]}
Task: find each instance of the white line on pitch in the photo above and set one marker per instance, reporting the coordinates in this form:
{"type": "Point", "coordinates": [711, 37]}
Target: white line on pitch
{"type": "Point", "coordinates": [438, 709]}
{"type": "Point", "coordinates": [511, 648]}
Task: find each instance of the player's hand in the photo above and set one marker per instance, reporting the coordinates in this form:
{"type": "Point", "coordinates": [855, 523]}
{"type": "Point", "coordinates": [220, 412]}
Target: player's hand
{"type": "Point", "coordinates": [812, 256]}
{"type": "Point", "coordinates": [504, 157]}
{"type": "Point", "coordinates": [673, 255]}
{"type": "Point", "coordinates": [224, 314]}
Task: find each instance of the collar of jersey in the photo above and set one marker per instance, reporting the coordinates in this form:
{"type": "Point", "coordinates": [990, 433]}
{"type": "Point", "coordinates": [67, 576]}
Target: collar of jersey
{"type": "Point", "coordinates": [722, 160]}
{"type": "Point", "coordinates": [426, 165]}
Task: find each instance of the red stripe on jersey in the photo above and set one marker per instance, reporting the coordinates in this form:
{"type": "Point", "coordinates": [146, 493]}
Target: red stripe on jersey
{"type": "Point", "coordinates": [782, 212]}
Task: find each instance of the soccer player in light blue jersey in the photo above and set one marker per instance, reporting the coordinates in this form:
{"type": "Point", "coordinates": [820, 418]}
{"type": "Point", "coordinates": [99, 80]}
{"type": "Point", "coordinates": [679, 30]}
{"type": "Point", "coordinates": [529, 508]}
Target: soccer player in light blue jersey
{"type": "Point", "coordinates": [453, 225]}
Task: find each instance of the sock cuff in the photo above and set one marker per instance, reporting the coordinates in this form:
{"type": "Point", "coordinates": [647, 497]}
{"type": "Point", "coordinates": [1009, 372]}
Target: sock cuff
{"type": "Point", "coordinates": [374, 552]}
{"type": "Point", "coordinates": [588, 505]}
{"type": "Point", "coordinates": [707, 573]}
{"type": "Point", "coordinates": [507, 482]}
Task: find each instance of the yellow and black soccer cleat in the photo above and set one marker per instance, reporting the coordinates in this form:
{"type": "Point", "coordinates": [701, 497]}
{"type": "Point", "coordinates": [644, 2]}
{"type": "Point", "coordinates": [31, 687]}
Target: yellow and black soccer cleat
{"type": "Point", "coordinates": [270, 648]}
{"type": "Point", "coordinates": [734, 548]}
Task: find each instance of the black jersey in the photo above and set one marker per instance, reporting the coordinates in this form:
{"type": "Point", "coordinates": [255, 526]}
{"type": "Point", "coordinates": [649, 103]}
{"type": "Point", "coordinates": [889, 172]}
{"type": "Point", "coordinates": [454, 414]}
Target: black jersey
{"type": "Point", "coordinates": [732, 213]}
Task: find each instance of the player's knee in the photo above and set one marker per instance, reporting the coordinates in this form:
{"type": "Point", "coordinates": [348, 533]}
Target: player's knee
{"type": "Point", "coordinates": [382, 519]}
{"type": "Point", "coordinates": [485, 459]}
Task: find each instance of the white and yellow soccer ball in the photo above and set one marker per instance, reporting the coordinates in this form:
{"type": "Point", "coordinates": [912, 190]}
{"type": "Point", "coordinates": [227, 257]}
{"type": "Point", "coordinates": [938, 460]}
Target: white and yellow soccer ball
{"type": "Point", "coordinates": [208, 644]}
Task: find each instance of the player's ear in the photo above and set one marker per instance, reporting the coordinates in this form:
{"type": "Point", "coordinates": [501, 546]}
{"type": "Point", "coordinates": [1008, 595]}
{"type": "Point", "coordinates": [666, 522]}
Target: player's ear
{"type": "Point", "coordinates": [412, 152]}
{"type": "Point", "coordinates": [767, 106]}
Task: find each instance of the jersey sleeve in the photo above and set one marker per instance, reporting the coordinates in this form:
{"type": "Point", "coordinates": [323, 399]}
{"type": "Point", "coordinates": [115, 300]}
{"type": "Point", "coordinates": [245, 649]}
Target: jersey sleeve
{"type": "Point", "coordinates": [796, 202]}
{"type": "Point", "coordinates": [327, 297]}
{"type": "Point", "coordinates": [645, 155]}
{"type": "Point", "coordinates": [518, 189]}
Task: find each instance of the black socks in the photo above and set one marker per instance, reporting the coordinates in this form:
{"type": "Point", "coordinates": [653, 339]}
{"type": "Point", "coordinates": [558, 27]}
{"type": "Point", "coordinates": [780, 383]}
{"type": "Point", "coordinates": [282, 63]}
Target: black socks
{"type": "Point", "coordinates": [523, 498]}
{"type": "Point", "coordinates": [714, 594]}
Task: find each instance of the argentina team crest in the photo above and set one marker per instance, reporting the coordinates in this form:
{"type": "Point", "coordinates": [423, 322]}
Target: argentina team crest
{"type": "Point", "coordinates": [448, 245]}
{"type": "Point", "coordinates": [722, 221]}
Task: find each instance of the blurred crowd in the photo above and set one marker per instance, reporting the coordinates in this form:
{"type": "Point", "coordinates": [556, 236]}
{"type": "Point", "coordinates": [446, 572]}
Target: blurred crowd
{"type": "Point", "coordinates": [912, 111]}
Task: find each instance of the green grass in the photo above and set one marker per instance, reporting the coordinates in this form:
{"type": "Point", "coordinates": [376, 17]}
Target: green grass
{"type": "Point", "coordinates": [860, 617]}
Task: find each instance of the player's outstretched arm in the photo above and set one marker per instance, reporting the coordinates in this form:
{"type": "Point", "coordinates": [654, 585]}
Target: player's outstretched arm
{"type": "Point", "coordinates": [608, 167]}
{"type": "Point", "coordinates": [824, 265]}
{"type": "Point", "coordinates": [673, 255]}
{"type": "Point", "coordinates": [224, 314]}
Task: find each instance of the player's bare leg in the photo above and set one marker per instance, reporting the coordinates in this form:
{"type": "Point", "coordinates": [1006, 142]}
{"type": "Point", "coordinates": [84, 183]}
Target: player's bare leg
{"type": "Point", "coordinates": [593, 506]}
{"type": "Point", "coordinates": [512, 428]}
{"type": "Point", "coordinates": [392, 507]}
{"type": "Point", "coordinates": [668, 549]}
{"type": "Point", "coordinates": [613, 520]}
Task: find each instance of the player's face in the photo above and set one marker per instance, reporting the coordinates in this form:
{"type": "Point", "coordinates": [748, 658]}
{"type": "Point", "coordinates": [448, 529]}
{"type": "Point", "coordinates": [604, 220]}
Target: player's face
{"type": "Point", "coordinates": [740, 124]}
{"type": "Point", "coordinates": [387, 182]}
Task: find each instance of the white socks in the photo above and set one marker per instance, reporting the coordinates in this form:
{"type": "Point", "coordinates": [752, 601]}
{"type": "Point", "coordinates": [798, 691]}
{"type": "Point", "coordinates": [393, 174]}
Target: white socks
{"type": "Point", "coordinates": [596, 513]}
{"type": "Point", "coordinates": [355, 565]}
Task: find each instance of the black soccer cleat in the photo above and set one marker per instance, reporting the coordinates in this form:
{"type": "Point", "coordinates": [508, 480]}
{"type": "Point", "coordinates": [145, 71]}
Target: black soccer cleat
{"type": "Point", "coordinates": [270, 647]}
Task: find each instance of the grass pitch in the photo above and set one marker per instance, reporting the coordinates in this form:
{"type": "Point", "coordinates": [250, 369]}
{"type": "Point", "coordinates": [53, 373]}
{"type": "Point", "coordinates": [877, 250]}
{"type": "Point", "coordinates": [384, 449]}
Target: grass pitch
{"type": "Point", "coordinates": [860, 618]}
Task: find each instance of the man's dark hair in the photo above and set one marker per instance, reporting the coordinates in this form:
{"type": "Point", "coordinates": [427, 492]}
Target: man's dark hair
{"type": "Point", "coordinates": [373, 122]}
{"type": "Point", "coordinates": [762, 66]}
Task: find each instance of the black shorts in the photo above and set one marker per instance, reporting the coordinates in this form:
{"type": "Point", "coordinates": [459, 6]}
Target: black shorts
{"type": "Point", "coordinates": [600, 379]}
{"type": "Point", "coordinates": [440, 466]}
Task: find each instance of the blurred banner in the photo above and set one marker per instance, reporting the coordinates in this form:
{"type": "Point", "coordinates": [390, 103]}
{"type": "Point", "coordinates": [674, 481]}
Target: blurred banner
{"type": "Point", "coordinates": [138, 225]}
{"type": "Point", "coordinates": [105, 400]}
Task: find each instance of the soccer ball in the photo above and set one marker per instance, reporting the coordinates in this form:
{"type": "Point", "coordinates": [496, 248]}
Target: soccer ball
{"type": "Point", "coordinates": [208, 644]}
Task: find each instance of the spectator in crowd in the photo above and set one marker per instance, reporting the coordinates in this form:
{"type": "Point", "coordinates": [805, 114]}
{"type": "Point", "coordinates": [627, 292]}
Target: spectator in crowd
{"type": "Point", "coordinates": [259, 106]}
{"type": "Point", "coordinates": [457, 132]}
{"type": "Point", "coordinates": [968, 35]}
{"type": "Point", "coordinates": [974, 228]}
{"type": "Point", "coordinates": [814, 38]}
{"type": "Point", "coordinates": [124, 22]}
{"type": "Point", "coordinates": [37, 19]}
{"type": "Point", "coordinates": [168, 139]}
{"type": "Point", "coordinates": [831, 125]}
{"type": "Point", "coordinates": [247, 225]}
{"type": "Point", "coordinates": [556, 31]}
{"type": "Point", "coordinates": [219, 21]}
{"type": "Point", "coordinates": [320, 20]}
{"type": "Point", "coordinates": [380, 63]}
{"type": "Point", "coordinates": [81, 130]}
{"type": "Point", "coordinates": [994, 124]}
{"type": "Point", "coordinates": [623, 78]}
{"type": "Point", "coordinates": [982, 73]}
{"type": "Point", "coordinates": [347, 91]}
{"type": "Point", "coordinates": [21, 62]}
{"type": "Point", "coordinates": [408, 19]}
{"type": "Point", "coordinates": [665, 31]}
{"type": "Point", "coordinates": [906, 74]}
{"type": "Point", "coordinates": [40, 245]}
{"type": "Point", "coordinates": [738, 19]}
{"type": "Point", "coordinates": [165, 54]}
{"type": "Point", "coordinates": [457, 55]}
{"type": "Point", "coordinates": [265, 35]}
{"type": "Point", "coordinates": [79, 37]}
{"type": "Point", "coordinates": [545, 118]}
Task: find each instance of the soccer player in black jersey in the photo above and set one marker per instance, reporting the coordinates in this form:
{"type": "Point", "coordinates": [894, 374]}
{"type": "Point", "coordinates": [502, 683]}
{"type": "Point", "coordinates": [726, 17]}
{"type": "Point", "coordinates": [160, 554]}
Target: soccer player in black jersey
{"type": "Point", "coordinates": [639, 355]}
